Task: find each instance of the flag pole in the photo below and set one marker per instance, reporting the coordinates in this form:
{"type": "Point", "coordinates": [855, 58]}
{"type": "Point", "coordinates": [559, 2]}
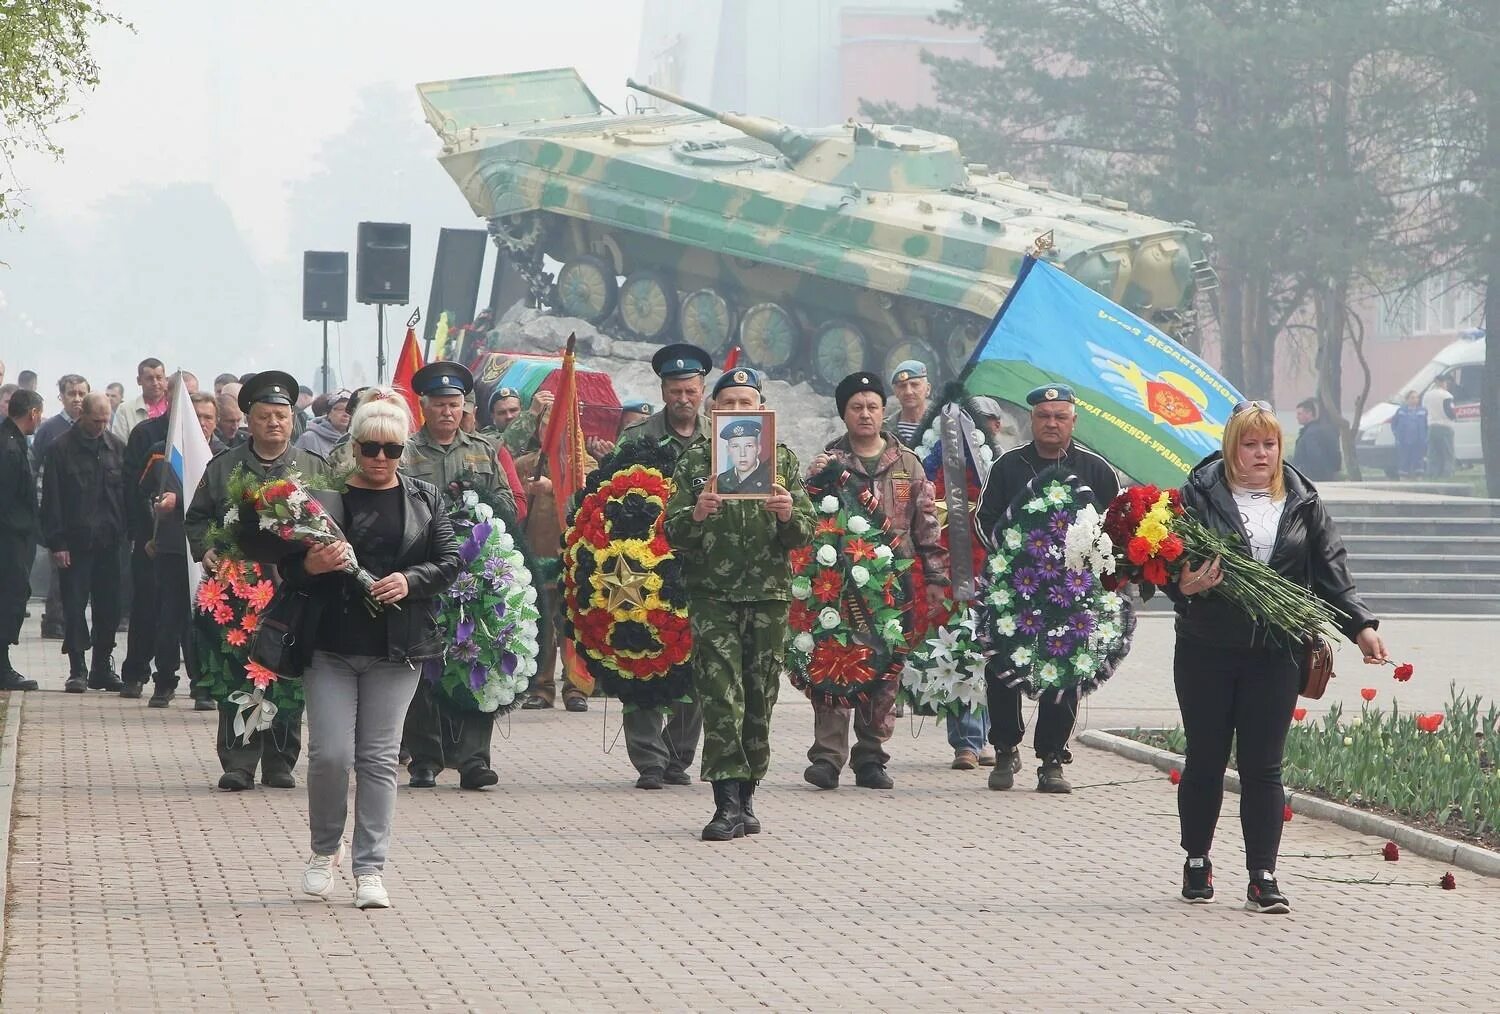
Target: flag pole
{"type": "Point", "coordinates": [541, 454]}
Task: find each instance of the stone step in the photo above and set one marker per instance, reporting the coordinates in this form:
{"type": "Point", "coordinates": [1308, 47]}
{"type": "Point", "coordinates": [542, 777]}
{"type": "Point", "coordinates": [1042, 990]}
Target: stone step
{"type": "Point", "coordinates": [1418, 563]}
{"type": "Point", "coordinates": [1426, 526]}
{"type": "Point", "coordinates": [1332, 490]}
{"type": "Point", "coordinates": [1377, 583]}
{"type": "Point", "coordinates": [1454, 507]}
{"type": "Point", "coordinates": [1435, 545]}
{"type": "Point", "coordinates": [1430, 603]}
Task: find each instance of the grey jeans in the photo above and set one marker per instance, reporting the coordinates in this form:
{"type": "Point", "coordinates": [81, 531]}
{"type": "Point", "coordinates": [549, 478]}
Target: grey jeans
{"type": "Point", "coordinates": [355, 707]}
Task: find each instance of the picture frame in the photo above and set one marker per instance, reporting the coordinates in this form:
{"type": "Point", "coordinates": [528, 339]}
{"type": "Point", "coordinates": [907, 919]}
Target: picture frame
{"type": "Point", "coordinates": [743, 464]}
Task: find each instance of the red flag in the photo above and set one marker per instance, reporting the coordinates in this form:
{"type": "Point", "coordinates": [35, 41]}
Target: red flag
{"type": "Point", "coordinates": [731, 359]}
{"type": "Point", "coordinates": [563, 447]}
{"type": "Point", "coordinates": [407, 364]}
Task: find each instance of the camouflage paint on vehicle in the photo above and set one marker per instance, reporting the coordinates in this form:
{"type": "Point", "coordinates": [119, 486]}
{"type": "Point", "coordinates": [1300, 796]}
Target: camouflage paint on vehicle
{"type": "Point", "coordinates": [820, 250]}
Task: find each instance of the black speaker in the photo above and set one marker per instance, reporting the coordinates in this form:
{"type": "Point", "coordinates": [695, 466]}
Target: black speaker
{"type": "Point", "coordinates": [455, 277]}
{"type": "Point", "coordinates": [382, 263]}
{"type": "Point", "coordinates": [325, 285]}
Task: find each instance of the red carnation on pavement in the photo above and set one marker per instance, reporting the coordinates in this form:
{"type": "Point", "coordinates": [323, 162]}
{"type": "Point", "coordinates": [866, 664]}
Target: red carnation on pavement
{"type": "Point", "coordinates": [1298, 714]}
{"type": "Point", "coordinates": [1391, 853]}
{"type": "Point", "coordinates": [1368, 693]}
{"type": "Point", "coordinates": [1286, 813]}
{"type": "Point", "coordinates": [1403, 672]}
{"type": "Point", "coordinates": [1174, 776]}
{"type": "Point", "coordinates": [1448, 883]}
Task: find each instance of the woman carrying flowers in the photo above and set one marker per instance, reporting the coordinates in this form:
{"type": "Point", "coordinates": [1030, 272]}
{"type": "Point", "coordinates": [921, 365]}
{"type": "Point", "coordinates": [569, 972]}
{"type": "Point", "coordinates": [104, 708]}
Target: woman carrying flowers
{"type": "Point", "coordinates": [879, 467]}
{"type": "Point", "coordinates": [366, 659]}
{"type": "Point", "coordinates": [1236, 680]}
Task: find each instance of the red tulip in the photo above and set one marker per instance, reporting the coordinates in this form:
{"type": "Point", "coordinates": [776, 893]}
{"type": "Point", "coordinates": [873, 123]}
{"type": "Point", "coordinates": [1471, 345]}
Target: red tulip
{"type": "Point", "coordinates": [1403, 672]}
{"type": "Point", "coordinates": [1368, 693]}
{"type": "Point", "coordinates": [1430, 723]}
{"type": "Point", "coordinates": [1174, 776]}
{"type": "Point", "coordinates": [1391, 853]}
{"type": "Point", "coordinates": [1286, 813]}
{"type": "Point", "coordinates": [1448, 883]}
{"type": "Point", "coordinates": [1298, 714]}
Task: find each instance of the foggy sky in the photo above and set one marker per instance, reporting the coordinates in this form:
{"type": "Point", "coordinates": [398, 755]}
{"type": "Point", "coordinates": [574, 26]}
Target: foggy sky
{"type": "Point", "coordinates": [234, 101]}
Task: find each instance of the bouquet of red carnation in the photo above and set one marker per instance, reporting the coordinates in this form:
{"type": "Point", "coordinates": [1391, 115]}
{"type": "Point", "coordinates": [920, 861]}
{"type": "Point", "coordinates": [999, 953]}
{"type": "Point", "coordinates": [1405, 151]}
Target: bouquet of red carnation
{"type": "Point", "coordinates": [276, 518]}
{"type": "Point", "coordinates": [1155, 537]}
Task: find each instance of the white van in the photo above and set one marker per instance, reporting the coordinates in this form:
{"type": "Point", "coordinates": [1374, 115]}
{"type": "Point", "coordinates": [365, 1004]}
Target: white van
{"type": "Point", "coordinates": [1462, 363]}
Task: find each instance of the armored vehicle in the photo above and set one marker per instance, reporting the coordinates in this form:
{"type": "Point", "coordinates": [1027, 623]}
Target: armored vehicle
{"type": "Point", "coordinates": [821, 251]}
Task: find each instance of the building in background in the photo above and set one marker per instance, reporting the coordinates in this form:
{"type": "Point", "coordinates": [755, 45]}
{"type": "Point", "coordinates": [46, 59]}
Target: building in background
{"type": "Point", "coordinates": [807, 62]}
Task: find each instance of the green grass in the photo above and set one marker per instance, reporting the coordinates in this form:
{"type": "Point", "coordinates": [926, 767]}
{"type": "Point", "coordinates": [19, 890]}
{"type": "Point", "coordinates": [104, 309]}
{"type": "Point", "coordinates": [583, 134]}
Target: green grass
{"type": "Point", "coordinates": [1447, 779]}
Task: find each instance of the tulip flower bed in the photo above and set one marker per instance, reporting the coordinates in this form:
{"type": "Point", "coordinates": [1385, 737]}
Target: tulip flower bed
{"type": "Point", "coordinates": [1436, 771]}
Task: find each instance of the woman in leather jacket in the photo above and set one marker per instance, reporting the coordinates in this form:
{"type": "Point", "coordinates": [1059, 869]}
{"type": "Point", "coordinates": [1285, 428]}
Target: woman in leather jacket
{"type": "Point", "coordinates": [365, 664]}
{"type": "Point", "coordinates": [1235, 680]}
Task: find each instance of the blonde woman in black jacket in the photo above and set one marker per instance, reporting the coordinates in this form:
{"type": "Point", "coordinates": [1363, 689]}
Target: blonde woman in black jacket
{"type": "Point", "coordinates": [1235, 681]}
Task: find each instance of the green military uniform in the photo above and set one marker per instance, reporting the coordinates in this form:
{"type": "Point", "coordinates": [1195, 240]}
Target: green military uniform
{"type": "Point", "coordinates": [654, 744]}
{"type": "Point", "coordinates": [524, 434]}
{"type": "Point", "coordinates": [739, 583]}
{"type": "Point", "coordinates": [277, 748]}
{"type": "Point", "coordinates": [758, 481]}
{"type": "Point", "coordinates": [437, 735]}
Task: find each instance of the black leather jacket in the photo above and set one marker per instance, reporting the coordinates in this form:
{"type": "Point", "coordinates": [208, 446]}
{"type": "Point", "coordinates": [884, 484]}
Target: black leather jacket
{"type": "Point", "coordinates": [428, 557]}
{"type": "Point", "coordinates": [1308, 552]}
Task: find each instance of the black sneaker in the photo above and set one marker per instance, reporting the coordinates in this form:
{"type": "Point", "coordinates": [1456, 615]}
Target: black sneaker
{"type": "Point", "coordinates": [1198, 881]}
{"type": "Point", "coordinates": [1264, 896]}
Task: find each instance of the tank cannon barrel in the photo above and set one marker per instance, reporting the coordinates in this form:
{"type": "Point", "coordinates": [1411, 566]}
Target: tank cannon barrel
{"type": "Point", "coordinates": [790, 141]}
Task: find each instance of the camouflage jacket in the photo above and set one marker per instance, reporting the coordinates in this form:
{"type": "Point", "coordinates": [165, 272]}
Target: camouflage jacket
{"type": "Point", "coordinates": [656, 428]}
{"type": "Point", "coordinates": [467, 454]}
{"type": "Point", "coordinates": [739, 554]}
{"type": "Point", "coordinates": [523, 435]}
{"type": "Point", "coordinates": [906, 498]}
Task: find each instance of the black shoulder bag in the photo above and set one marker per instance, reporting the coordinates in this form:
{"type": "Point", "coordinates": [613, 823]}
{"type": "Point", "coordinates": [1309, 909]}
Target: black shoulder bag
{"type": "Point", "coordinates": [283, 641]}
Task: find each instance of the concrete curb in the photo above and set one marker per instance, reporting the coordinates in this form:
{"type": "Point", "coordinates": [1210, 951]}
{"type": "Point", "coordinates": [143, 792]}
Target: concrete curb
{"type": "Point", "coordinates": [1423, 843]}
{"type": "Point", "coordinates": [8, 749]}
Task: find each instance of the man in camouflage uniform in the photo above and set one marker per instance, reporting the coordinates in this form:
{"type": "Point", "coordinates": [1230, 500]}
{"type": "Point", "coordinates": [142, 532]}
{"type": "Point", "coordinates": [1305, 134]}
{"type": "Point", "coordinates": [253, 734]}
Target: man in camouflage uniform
{"type": "Point", "coordinates": [437, 735]}
{"type": "Point", "coordinates": [662, 747]}
{"type": "Point", "coordinates": [738, 578]}
{"type": "Point", "coordinates": [267, 400]}
{"type": "Point", "coordinates": [877, 461]}
{"type": "Point", "coordinates": [524, 433]}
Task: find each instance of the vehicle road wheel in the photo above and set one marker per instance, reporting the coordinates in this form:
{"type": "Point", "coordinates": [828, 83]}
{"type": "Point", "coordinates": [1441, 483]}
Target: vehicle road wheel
{"type": "Point", "coordinates": [707, 321]}
{"type": "Point", "coordinates": [586, 288]}
{"type": "Point", "coordinates": [769, 335]}
{"type": "Point", "coordinates": [648, 306]}
{"type": "Point", "coordinates": [958, 343]}
{"type": "Point", "coordinates": [839, 349]}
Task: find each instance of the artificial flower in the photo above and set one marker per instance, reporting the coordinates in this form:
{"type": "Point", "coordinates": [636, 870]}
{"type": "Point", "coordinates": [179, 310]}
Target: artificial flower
{"type": "Point", "coordinates": [1286, 813]}
{"type": "Point", "coordinates": [1174, 776]}
{"type": "Point", "coordinates": [1448, 883]}
{"type": "Point", "coordinates": [827, 555]}
{"type": "Point", "coordinates": [829, 504]}
{"type": "Point", "coordinates": [858, 525]}
{"type": "Point", "coordinates": [883, 552]}
{"type": "Point", "coordinates": [828, 618]}
{"type": "Point", "coordinates": [1391, 853]}
{"type": "Point", "coordinates": [803, 642]}
{"type": "Point", "coordinates": [801, 587]}
{"type": "Point", "coordinates": [859, 575]}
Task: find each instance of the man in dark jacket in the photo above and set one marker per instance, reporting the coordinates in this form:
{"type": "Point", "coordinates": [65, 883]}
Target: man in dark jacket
{"type": "Point", "coordinates": [83, 524]}
{"type": "Point", "coordinates": [1317, 454]}
{"type": "Point", "coordinates": [1053, 416]}
{"type": "Point", "coordinates": [17, 527]}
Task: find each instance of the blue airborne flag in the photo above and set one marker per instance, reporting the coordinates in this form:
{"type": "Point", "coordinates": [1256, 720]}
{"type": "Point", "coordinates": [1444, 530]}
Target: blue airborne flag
{"type": "Point", "coordinates": [1148, 405]}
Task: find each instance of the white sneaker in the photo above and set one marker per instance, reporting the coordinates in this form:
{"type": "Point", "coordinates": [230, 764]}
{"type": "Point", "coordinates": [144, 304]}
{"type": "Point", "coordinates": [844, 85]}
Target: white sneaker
{"type": "Point", "coordinates": [317, 878]}
{"type": "Point", "coordinates": [369, 892]}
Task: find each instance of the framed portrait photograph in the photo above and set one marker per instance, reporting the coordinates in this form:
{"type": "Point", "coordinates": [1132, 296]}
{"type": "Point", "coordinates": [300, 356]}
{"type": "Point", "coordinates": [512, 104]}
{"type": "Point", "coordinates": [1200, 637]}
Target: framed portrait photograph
{"type": "Point", "coordinates": [744, 453]}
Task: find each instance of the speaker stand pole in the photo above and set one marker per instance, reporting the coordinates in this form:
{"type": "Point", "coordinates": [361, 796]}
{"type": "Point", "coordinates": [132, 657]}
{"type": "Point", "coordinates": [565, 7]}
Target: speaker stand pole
{"type": "Point", "coordinates": [325, 357]}
{"type": "Point", "coordinates": [380, 344]}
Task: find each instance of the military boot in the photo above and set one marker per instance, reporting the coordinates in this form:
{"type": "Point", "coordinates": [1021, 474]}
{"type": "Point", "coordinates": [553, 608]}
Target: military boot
{"type": "Point", "coordinates": [747, 808]}
{"type": "Point", "coordinates": [1049, 777]}
{"type": "Point", "coordinates": [103, 675]}
{"type": "Point", "coordinates": [1007, 763]}
{"type": "Point", "coordinates": [78, 674]}
{"type": "Point", "coordinates": [729, 821]}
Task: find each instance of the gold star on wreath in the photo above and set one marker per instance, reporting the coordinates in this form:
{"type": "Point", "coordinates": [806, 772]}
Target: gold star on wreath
{"type": "Point", "coordinates": [623, 586]}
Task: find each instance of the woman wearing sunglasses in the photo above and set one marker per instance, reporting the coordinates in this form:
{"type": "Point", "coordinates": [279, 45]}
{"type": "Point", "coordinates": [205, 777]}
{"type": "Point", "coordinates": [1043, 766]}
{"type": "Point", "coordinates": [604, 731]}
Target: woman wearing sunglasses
{"type": "Point", "coordinates": [1234, 681]}
{"type": "Point", "coordinates": [366, 661]}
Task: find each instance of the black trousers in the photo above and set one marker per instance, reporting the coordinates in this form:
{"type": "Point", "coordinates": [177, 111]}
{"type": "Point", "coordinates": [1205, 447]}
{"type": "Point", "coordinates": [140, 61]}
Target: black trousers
{"type": "Point", "coordinates": [1054, 720]}
{"type": "Point", "coordinates": [140, 639]}
{"type": "Point", "coordinates": [438, 736]}
{"type": "Point", "coordinates": [173, 614]}
{"type": "Point", "coordinates": [1245, 696]}
{"type": "Point", "coordinates": [52, 612]}
{"type": "Point", "coordinates": [16, 553]}
{"type": "Point", "coordinates": [275, 749]}
{"type": "Point", "coordinates": [91, 579]}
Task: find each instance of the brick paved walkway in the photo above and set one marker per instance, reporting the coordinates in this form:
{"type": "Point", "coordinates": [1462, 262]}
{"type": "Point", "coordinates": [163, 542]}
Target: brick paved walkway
{"type": "Point", "coordinates": [135, 885]}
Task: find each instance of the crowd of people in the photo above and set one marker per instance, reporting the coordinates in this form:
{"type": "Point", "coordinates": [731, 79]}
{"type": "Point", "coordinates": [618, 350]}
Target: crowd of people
{"type": "Point", "coordinates": [91, 485]}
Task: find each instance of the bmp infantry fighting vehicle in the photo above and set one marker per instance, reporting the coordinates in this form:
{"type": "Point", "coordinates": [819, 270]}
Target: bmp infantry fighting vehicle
{"type": "Point", "coordinates": [821, 251]}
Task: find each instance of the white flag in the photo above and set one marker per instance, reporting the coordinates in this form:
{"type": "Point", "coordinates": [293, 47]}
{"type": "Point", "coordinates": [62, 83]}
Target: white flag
{"type": "Point", "coordinates": [188, 455]}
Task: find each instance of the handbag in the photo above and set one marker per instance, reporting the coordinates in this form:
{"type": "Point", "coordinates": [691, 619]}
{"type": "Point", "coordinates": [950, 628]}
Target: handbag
{"type": "Point", "coordinates": [283, 643]}
{"type": "Point", "coordinates": [1317, 667]}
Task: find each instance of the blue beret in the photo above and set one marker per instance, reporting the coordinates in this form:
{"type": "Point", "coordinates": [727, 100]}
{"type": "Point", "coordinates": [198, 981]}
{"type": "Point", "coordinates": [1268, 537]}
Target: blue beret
{"type": "Point", "coordinates": [740, 376]}
{"type": "Point", "coordinates": [680, 360]}
{"type": "Point", "coordinates": [741, 428]}
{"type": "Point", "coordinates": [908, 369]}
{"type": "Point", "coordinates": [1050, 392]}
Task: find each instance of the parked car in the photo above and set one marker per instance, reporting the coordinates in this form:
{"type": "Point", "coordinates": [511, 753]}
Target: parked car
{"type": "Point", "coordinates": [1462, 364]}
